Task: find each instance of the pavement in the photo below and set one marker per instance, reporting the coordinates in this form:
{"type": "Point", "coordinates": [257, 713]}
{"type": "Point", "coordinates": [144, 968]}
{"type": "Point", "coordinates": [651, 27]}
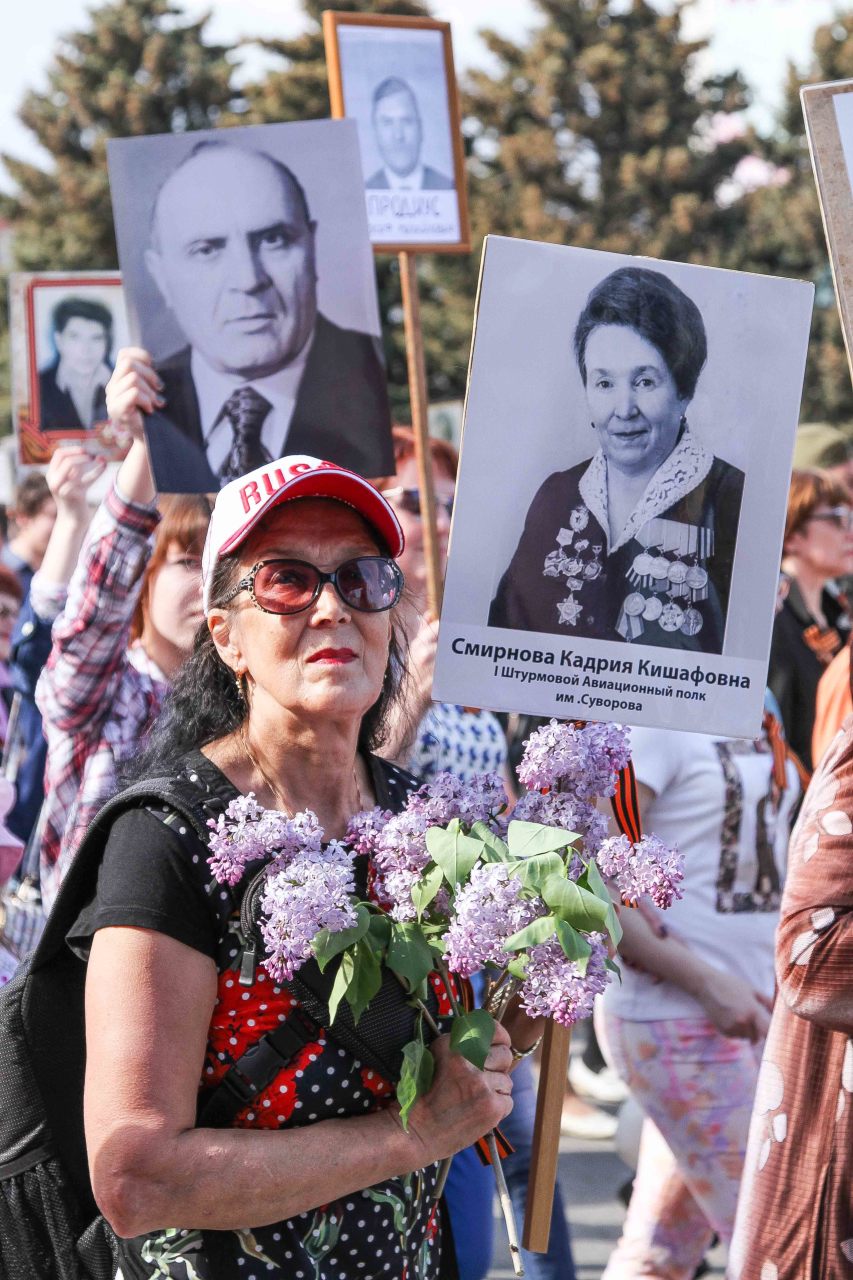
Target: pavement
{"type": "Point", "coordinates": [590, 1175]}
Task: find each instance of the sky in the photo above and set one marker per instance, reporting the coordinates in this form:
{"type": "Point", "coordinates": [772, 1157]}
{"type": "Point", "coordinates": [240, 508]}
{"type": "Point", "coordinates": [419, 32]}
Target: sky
{"type": "Point", "coordinates": [758, 36]}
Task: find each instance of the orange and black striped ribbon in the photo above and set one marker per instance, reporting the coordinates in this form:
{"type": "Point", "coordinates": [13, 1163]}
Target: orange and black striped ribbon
{"type": "Point", "coordinates": [782, 753]}
{"type": "Point", "coordinates": [626, 804]}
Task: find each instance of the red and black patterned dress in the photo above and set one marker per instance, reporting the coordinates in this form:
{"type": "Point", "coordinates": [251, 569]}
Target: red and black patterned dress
{"type": "Point", "coordinates": [155, 876]}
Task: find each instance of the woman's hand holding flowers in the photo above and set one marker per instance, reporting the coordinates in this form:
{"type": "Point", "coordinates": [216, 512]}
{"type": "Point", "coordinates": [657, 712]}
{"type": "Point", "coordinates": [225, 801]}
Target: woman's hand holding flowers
{"type": "Point", "coordinates": [463, 1102]}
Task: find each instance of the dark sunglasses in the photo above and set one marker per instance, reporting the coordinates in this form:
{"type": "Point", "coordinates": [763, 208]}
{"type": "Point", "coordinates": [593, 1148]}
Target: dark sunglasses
{"type": "Point", "coordinates": [841, 517]}
{"type": "Point", "coordinates": [370, 584]}
{"type": "Point", "coordinates": [410, 500]}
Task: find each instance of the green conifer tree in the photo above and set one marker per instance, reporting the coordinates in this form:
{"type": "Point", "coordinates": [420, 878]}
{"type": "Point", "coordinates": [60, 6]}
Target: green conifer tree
{"type": "Point", "coordinates": [784, 234]}
{"type": "Point", "coordinates": [137, 68]}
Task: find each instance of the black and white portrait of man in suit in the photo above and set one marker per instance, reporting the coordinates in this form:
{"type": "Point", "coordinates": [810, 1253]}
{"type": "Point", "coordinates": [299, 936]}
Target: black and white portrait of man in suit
{"type": "Point", "coordinates": [399, 133]}
{"type": "Point", "coordinates": [258, 369]}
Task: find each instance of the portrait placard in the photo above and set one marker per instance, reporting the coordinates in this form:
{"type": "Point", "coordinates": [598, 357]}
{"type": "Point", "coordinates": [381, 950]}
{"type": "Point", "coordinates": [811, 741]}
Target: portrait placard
{"type": "Point", "coordinates": [395, 78]}
{"type": "Point", "coordinates": [828, 111]}
{"type": "Point", "coordinates": [626, 453]}
{"type": "Point", "coordinates": [65, 328]}
{"type": "Point", "coordinates": [249, 277]}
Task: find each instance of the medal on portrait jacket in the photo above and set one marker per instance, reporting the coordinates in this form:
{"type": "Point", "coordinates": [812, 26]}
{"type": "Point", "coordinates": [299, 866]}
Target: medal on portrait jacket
{"type": "Point", "coordinates": [667, 579]}
{"type": "Point", "coordinates": [577, 560]}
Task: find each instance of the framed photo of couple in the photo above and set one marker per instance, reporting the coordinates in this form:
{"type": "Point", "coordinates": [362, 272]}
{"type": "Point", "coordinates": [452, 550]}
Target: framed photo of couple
{"type": "Point", "coordinates": [626, 454]}
{"type": "Point", "coordinates": [395, 78]}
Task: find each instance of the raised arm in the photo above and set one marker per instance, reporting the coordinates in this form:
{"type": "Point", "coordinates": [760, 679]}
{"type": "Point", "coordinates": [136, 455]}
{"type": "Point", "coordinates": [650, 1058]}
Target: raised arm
{"type": "Point", "coordinates": [90, 636]}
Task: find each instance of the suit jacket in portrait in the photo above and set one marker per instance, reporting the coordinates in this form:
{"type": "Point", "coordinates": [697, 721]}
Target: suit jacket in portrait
{"type": "Point", "coordinates": [57, 411]}
{"type": "Point", "coordinates": [665, 582]}
{"type": "Point", "coordinates": [341, 413]}
{"type": "Point", "coordinates": [432, 181]}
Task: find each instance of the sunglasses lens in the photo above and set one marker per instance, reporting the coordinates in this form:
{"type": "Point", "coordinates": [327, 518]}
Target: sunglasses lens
{"type": "Point", "coordinates": [369, 583]}
{"type": "Point", "coordinates": [285, 586]}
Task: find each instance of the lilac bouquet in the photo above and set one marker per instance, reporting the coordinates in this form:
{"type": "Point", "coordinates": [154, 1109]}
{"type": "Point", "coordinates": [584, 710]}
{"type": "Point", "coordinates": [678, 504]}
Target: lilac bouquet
{"type": "Point", "coordinates": [458, 886]}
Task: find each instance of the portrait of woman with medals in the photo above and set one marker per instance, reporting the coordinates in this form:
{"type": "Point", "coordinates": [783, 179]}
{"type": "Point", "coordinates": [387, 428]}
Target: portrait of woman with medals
{"type": "Point", "coordinates": [636, 543]}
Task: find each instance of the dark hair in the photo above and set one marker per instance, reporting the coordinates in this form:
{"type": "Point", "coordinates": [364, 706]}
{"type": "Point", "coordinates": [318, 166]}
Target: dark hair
{"type": "Point", "coordinates": [31, 495]}
{"type": "Point", "coordinates": [388, 87]}
{"type": "Point", "coordinates": [659, 311]}
{"type": "Point", "coordinates": [85, 309]}
{"type": "Point", "coordinates": [205, 702]}
{"type": "Point", "coordinates": [213, 144]}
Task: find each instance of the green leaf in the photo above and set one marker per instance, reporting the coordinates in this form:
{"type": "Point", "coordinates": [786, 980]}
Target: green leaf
{"type": "Point", "coordinates": [454, 852]}
{"type": "Point", "coordinates": [574, 944]}
{"type": "Point", "coordinates": [340, 986]}
{"type": "Point", "coordinates": [415, 1077]}
{"type": "Point", "coordinates": [366, 980]}
{"type": "Point", "coordinates": [533, 872]}
{"type": "Point", "coordinates": [494, 849]}
{"type": "Point", "coordinates": [380, 929]}
{"type": "Point", "coordinates": [471, 1035]}
{"type": "Point", "coordinates": [574, 904]}
{"type": "Point", "coordinates": [528, 838]}
{"type": "Point", "coordinates": [613, 967]}
{"type": "Point", "coordinates": [409, 954]}
{"type": "Point", "coordinates": [591, 879]}
{"type": "Point", "coordinates": [327, 945]}
{"type": "Point", "coordinates": [612, 925]}
{"type": "Point", "coordinates": [532, 934]}
{"type": "Point", "coordinates": [518, 966]}
{"type": "Point", "coordinates": [426, 888]}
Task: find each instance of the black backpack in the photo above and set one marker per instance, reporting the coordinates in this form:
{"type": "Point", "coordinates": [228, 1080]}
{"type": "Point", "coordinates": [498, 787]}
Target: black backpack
{"type": "Point", "coordinates": [50, 1225]}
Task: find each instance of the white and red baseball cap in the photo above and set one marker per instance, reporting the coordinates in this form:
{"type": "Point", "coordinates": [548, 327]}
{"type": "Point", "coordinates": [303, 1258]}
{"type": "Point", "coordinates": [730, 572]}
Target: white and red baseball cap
{"type": "Point", "coordinates": [243, 503]}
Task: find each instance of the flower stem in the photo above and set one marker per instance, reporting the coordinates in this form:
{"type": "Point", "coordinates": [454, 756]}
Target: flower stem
{"type": "Point", "coordinates": [506, 1206]}
{"type": "Point", "coordinates": [427, 1016]}
{"type": "Point", "coordinates": [443, 1171]}
{"type": "Point", "coordinates": [448, 986]}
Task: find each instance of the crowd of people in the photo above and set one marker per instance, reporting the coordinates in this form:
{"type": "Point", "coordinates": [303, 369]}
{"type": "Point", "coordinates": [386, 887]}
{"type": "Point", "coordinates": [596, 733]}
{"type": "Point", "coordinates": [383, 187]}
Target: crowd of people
{"type": "Point", "coordinates": [279, 653]}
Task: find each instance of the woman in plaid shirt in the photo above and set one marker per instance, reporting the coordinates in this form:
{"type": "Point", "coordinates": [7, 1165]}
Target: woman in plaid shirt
{"type": "Point", "coordinates": [132, 609]}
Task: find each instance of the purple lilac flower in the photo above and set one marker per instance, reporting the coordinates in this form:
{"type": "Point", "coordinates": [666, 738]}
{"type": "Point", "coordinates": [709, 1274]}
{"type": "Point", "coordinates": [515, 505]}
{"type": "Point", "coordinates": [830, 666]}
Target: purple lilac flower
{"type": "Point", "coordinates": [246, 833]}
{"type": "Point", "coordinates": [583, 762]}
{"type": "Point", "coordinates": [399, 858]}
{"type": "Point", "coordinates": [650, 868]}
{"type": "Point", "coordinates": [365, 829]}
{"type": "Point", "coordinates": [489, 909]}
{"type": "Point", "coordinates": [553, 986]}
{"type": "Point", "coordinates": [313, 891]}
{"type": "Point", "coordinates": [447, 796]}
{"type": "Point", "coordinates": [558, 809]}
{"type": "Point", "coordinates": [234, 841]}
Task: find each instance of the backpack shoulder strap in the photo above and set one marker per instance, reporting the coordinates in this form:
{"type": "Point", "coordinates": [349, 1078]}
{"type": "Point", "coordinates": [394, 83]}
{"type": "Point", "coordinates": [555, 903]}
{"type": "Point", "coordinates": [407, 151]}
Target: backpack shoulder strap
{"type": "Point", "coordinates": [184, 792]}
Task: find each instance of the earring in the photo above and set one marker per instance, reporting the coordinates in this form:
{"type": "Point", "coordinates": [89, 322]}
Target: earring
{"type": "Point", "coordinates": [241, 683]}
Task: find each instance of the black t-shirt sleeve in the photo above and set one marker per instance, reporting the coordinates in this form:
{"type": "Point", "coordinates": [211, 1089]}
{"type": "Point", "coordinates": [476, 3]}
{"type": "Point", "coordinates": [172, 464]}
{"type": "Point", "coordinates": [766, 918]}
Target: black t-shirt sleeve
{"type": "Point", "coordinates": [151, 877]}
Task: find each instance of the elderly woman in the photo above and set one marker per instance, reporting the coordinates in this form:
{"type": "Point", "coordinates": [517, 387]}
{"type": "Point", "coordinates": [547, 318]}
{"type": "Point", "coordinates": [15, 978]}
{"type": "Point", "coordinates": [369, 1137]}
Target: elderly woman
{"type": "Point", "coordinates": [283, 697]}
{"type": "Point", "coordinates": [636, 543]}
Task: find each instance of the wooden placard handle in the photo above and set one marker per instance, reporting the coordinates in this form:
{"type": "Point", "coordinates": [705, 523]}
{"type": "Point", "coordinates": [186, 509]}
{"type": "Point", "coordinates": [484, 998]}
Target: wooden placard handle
{"type": "Point", "coordinates": [420, 424]}
{"type": "Point", "coordinates": [546, 1137]}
